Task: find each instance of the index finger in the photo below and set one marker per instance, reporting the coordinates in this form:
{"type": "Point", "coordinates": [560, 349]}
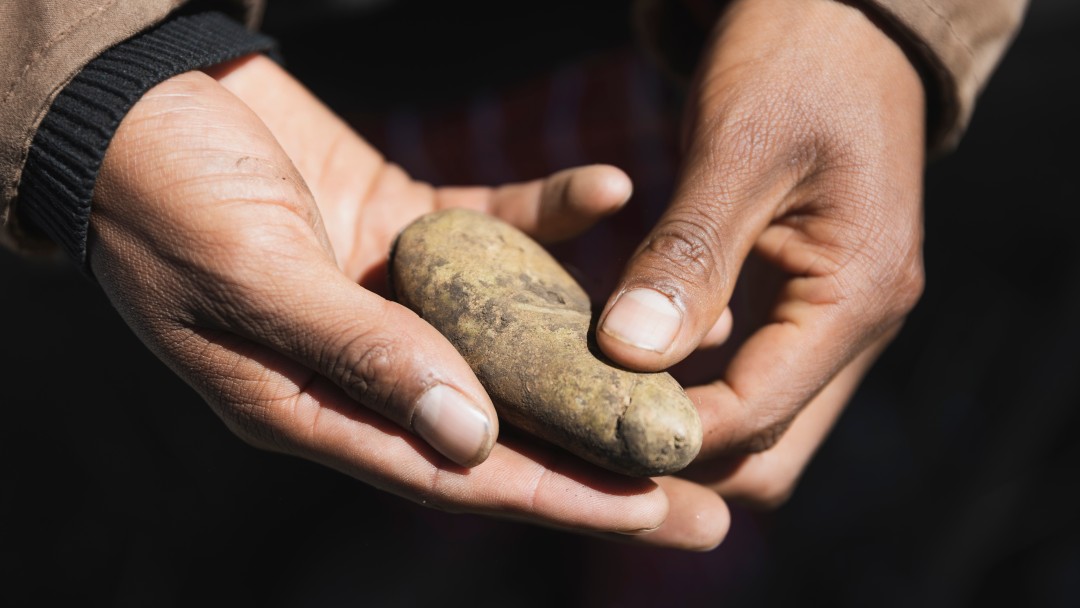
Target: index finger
{"type": "Point", "coordinates": [276, 403]}
{"type": "Point", "coordinates": [819, 324]}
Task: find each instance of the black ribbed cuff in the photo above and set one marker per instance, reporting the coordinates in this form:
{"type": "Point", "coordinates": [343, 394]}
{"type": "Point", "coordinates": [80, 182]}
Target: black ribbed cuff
{"type": "Point", "coordinates": [62, 166]}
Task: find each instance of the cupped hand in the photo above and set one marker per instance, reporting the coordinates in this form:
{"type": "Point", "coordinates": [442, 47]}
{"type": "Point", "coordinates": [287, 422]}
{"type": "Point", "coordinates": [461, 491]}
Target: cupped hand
{"type": "Point", "coordinates": [804, 151]}
{"type": "Point", "coordinates": [240, 229]}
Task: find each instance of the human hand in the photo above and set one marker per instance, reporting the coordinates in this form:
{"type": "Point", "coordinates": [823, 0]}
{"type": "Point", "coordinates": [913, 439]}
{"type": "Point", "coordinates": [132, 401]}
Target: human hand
{"type": "Point", "coordinates": [239, 227]}
{"type": "Point", "coordinates": [804, 151]}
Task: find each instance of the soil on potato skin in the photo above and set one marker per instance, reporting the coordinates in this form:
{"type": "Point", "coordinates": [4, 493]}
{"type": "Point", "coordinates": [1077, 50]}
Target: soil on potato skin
{"type": "Point", "coordinates": [523, 324]}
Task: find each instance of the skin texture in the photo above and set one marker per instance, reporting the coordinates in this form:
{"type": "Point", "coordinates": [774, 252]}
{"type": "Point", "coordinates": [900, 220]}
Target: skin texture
{"type": "Point", "coordinates": [802, 181]}
{"type": "Point", "coordinates": [523, 324]}
{"type": "Point", "coordinates": [241, 230]}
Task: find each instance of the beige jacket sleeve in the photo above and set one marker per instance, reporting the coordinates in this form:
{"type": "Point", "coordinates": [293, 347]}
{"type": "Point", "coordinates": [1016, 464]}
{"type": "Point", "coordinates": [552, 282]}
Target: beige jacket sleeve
{"type": "Point", "coordinates": [44, 44]}
{"type": "Point", "coordinates": [956, 44]}
{"type": "Point", "coordinates": [960, 42]}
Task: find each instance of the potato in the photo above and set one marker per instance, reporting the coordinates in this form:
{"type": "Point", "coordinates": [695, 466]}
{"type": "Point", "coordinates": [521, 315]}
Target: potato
{"type": "Point", "coordinates": [525, 327]}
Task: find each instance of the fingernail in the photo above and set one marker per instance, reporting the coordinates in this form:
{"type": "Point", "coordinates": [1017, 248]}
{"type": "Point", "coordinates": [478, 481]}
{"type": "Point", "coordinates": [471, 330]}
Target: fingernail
{"type": "Point", "coordinates": [645, 319]}
{"type": "Point", "coordinates": [452, 424]}
{"type": "Point", "coordinates": [638, 531]}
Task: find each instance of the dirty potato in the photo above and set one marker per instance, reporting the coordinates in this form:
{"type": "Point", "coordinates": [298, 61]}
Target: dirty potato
{"type": "Point", "coordinates": [525, 327]}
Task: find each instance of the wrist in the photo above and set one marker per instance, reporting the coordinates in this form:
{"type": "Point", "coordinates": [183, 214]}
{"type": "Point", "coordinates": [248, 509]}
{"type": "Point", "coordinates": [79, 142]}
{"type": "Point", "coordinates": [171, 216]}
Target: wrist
{"type": "Point", "coordinates": [803, 62]}
{"type": "Point", "coordinates": [753, 31]}
{"type": "Point", "coordinates": [67, 152]}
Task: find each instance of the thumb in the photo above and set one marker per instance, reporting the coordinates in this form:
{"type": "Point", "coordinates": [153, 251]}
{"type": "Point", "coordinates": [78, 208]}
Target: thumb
{"type": "Point", "coordinates": [201, 220]}
{"type": "Point", "coordinates": [381, 354]}
{"type": "Point", "coordinates": [673, 293]}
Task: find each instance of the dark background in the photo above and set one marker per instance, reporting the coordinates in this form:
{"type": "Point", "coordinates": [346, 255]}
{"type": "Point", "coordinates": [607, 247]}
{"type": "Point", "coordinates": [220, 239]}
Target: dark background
{"type": "Point", "coordinates": [951, 480]}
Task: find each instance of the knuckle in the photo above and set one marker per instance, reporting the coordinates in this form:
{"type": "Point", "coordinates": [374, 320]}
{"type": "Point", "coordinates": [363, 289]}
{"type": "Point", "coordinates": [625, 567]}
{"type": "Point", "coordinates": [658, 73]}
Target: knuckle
{"type": "Point", "coordinates": [897, 283]}
{"type": "Point", "coordinates": [686, 248]}
{"type": "Point", "coordinates": [880, 269]}
{"type": "Point", "coordinates": [367, 368]}
{"type": "Point", "coordinates": [910, 285]}
{"type": "Point", "coordinates": [765, 435]}
{"type": "Point", "coordinates": [254, 424]}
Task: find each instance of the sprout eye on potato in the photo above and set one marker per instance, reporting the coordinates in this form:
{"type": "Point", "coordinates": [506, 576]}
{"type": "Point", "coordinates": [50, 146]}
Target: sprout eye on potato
{"type": "Point", "coordinates": [524, 326]}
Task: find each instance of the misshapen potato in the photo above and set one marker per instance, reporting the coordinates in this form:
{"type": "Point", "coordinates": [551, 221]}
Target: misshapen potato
{"type": "Point", "coordinates": [523, 324]}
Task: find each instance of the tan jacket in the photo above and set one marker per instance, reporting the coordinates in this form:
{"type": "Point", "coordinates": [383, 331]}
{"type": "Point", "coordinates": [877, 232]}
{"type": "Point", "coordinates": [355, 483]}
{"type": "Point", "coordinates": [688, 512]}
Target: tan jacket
{"type": "Point", "coordinates": [44, 44]}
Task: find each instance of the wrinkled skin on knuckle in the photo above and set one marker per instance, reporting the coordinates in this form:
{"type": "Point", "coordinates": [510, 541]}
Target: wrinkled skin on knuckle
{"type": "Point", "coordinates": [368, 368]}
{"type": "Point", "coordinates": [764, 423]}
{"type": "Point", "coordinates": [767, 436]}
{"type": "Point", "coordinates": [685, 252]}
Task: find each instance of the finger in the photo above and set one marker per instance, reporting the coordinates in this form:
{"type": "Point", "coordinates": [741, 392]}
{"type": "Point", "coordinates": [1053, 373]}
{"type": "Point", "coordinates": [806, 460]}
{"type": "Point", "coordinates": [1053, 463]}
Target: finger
{"type": "Point", "coordinates": [679, 281]}
{"type": "Point", "coordinates": [857, 273]}
{"type": "Point", "coordinates": [698, 519]}
{"type": "Point", "coordinates": [386, 358]}
{"type": "Point", "coordinates": [720, 331]}
{"type": "Point", "coordinates": [514, 482]}
{"type": "Point", "coordinates": [558, 207]}
{"type": "Point", "coordinates": [787, 362]}
{"type": "Point", "coordinates": [275, 403]}
{"type": "Point", "coordinates": [767, 479]}
{"type": "Point", "coordinates": [254, 261]}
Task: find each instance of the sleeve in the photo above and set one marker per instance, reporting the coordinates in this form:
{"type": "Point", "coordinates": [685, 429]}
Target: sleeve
{"type": "Point", "coordinates": [69, 146]}
{"type": "Point", "coordinates": [45, 43]}
{"type": "Point", "coordinates": [955, 44]}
